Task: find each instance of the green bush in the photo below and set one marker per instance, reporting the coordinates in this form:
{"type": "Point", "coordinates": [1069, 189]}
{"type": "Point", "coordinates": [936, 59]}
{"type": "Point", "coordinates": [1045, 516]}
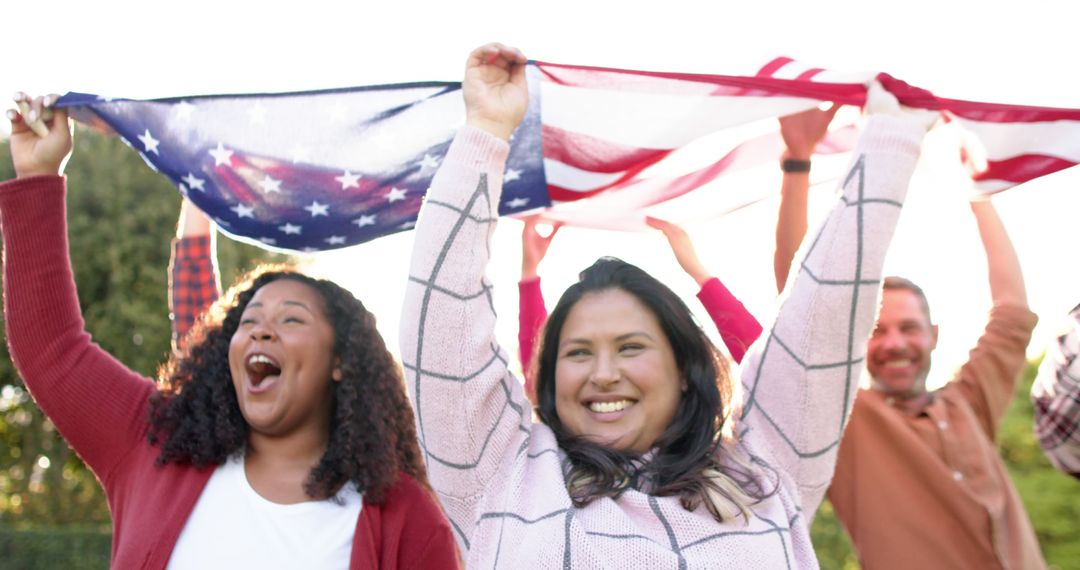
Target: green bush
{"type": "Point", "coordinates": [72, 548]}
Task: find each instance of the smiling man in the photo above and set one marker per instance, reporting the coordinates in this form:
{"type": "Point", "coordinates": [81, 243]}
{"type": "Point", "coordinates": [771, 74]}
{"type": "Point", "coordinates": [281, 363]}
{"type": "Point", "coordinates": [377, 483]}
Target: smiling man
{"type": "Point", "coordinates": [919, 482]}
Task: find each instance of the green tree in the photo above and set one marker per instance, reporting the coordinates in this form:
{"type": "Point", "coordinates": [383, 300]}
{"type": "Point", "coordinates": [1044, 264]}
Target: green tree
{"type": "Point", "coordinates": [121, 218]}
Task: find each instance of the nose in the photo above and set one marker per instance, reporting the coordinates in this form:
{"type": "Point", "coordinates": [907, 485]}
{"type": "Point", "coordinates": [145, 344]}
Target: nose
{"type": "Point", "coordinates": [892, 339]}
{"type": "Point", "coordinates": [262, 332]}
{"type": "Point", "coordinates": [605, 371]}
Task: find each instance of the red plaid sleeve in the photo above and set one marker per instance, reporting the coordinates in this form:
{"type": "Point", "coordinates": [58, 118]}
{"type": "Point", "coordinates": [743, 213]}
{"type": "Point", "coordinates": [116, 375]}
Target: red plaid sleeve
{"type": "Point", "coordinates": [193, 283]}
{"type": "Point", "coordinates": [1056, 396]}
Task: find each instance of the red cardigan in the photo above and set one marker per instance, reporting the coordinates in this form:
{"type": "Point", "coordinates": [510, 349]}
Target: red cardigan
{"type": "Point", "coordinates": [100, 407]}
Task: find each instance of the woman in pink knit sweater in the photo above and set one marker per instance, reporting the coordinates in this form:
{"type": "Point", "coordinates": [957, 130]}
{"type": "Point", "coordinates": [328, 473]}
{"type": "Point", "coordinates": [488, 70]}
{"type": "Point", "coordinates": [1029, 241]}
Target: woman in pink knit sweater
{"type": "Point", "coordinates": [280, 436]}
{"type": "Point", "coordinates": [642, 457]}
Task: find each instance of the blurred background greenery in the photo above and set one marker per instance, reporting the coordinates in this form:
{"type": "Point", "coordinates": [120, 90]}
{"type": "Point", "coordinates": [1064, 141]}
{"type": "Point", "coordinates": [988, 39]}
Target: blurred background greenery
{"type": "Point", "coordinates": [121, 218]}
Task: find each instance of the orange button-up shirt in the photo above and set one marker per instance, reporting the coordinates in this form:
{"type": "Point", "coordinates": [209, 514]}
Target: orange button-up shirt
{"type": "Point", "coordinates": [929, 490]}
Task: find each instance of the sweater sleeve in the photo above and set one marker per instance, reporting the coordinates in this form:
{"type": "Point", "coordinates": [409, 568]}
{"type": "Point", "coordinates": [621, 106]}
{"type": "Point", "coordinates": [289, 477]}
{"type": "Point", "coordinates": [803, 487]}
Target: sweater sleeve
{"type": "Point", "coordinates": [193, 283]}
{"type": "Point", "coordinates": [96, 403]}
{"type": "Point", "coordinates": [799, 384]}
{"type": "Point", "coordinates": [470, 410]}
{"type": "Point", "coordinates": [531, 316]}
{"type": "Point", "coordinates": [738, 328]}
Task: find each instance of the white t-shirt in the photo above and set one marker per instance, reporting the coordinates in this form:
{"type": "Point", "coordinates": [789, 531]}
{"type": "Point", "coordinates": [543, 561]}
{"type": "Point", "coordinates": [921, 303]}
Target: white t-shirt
{"type": "Point", "coordinates": [232, 526]}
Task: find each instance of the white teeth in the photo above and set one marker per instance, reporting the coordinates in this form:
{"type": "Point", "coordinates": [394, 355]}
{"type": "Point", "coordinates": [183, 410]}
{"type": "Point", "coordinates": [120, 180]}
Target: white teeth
{"type": "Point", "coordinates": [897, 364]}
{"type": "Point", "coordinates": [610, 407]}
{"type": "Point", "coordinates": [257, 358]}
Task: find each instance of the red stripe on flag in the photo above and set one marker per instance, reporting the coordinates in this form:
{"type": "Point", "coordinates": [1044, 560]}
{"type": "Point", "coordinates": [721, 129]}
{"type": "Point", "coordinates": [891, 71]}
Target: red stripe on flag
{"type": "Point", "coordinates": [773, 66]}
{"type": "Point", "coordinates": [998, 113]}
{"type": "Point", "coordinates": [560, 194]}
{"type": "Point", "coordinates": [809, 74]}
{"type": "Point", "coordinates": [698, 84]}
{"type": "Point", "coordinates": [595, 155]}
{"type": "Point", "coordinates": [1023, 168]}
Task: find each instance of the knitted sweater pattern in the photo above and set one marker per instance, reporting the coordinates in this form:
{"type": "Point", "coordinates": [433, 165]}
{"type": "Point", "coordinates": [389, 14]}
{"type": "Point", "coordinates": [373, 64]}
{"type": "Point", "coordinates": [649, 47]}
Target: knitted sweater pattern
{"type": "Point", "coordinates": [499, 475]}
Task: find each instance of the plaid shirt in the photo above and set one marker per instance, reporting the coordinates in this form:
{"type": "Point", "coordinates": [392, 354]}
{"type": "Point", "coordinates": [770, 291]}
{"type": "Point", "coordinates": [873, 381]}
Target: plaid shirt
{"type": "Point", "coordinates": [1056, 396]}
{"type": "Point", "coordinates": [193, 283]}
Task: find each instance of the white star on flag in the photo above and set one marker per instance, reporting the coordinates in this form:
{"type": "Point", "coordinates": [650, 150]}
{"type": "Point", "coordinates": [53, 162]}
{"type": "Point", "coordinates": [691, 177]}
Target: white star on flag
{"type": "Point", "coordinates": [364, 221]}
{"type": "Point", "coordinates": [511, 175]}
{"type": "Point", "coordinates": [407, 225]}
{"type": "Point", "coordinates": [429, 161]}
{"type": "Point", "coordinates": [517, 202]}
{"type": "Point", "coordinates": [270, 184]}
{"type": "Point", "coordinates": [317, 209]}
{"type": "Point", "coordinates": [395, 194]}
{"type": "Point", "coordinates": [290, 229]}
{"type": "Point", "coordinates": [348, 180]}
{"type": "Point", "coordinates": [194, 182]}
{"type": "Point", "coordinates": [335, 240]}
{"type": "Point", "coordinates": [221, 155]}
{"type": "Point", "coordinates": [149, 142]}
{"type": "Point", "coordinates": [243, 211]}
{"type": "Point", "coordinates": [268, 241]}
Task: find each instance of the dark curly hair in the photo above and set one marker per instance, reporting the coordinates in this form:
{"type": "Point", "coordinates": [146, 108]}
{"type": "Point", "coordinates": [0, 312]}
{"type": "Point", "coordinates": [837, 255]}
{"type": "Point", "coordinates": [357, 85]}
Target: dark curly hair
{"type": "Point", "coordinates": [196, 419]}
{"type": "Point", "coordinates": [691, 459]}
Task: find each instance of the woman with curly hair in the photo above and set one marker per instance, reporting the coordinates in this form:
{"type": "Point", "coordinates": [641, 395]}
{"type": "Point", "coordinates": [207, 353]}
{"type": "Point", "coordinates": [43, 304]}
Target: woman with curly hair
{"type": "Point", "coordinates": [641, 456]}
{"type": "Point", "coordinates": [280, 435]}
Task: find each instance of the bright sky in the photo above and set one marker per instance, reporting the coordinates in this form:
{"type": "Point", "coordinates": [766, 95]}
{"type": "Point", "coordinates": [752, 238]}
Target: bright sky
{"type": "Point", "coordinates": [1009, 52]}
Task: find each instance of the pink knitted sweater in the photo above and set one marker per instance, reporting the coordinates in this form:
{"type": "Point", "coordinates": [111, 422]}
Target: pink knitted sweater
{"type": "Point", "coordinates": [499, 475]}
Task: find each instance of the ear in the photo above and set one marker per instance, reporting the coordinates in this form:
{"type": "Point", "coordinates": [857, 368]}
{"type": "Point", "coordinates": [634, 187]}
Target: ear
{"type": "Point", "coordinates": [336, 375]}
{"type": "Point", "coordinates": [933, 334]}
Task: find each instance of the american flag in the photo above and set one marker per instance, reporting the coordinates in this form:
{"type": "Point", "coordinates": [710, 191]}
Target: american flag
{"type": "Point", "coordinates": [321, 170]}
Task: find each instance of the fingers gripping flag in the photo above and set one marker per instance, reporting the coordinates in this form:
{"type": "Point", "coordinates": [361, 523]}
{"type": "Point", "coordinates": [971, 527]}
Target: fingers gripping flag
{"type": "Point", "coordinates": [327, 169]}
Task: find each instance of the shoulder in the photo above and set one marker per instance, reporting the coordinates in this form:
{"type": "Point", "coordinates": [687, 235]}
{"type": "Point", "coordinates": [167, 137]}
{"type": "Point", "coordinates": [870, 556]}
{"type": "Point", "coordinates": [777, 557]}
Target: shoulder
{"type": "Point", "coordinates": [407, 495]}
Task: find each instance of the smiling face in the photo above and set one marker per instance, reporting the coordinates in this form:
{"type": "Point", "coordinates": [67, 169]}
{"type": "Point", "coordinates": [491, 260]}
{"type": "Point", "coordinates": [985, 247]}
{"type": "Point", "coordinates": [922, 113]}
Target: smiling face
{"type": "Point", "coordinates": [898, 352]}
{"type": "Point", "coordinates": [282, 361]}
{"type": "Point", "coordinates": [616, 379]}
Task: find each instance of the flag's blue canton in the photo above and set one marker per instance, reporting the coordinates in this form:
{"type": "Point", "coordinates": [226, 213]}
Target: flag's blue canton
{"type": "Point", "coordinates": [316, 170]}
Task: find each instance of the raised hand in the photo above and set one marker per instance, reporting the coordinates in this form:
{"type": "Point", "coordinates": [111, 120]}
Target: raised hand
{"type": "Point", "coordinates": [534, 246]}
{"type": "Point", "coordinates": [803, 131]}
{"type": "Point", "coordinates": [496, 95]}
{"type": "Point", "coordinates": [34, 155]}
{"type": "Point", "coordinates": [682, 248]}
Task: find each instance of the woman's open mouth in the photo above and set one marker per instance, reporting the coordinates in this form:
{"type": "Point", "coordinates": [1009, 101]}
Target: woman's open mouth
{"type": "Point", "coordinates": [262, 371]}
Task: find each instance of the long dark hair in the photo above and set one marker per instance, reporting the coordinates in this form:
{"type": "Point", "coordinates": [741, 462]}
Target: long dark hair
{"type": "Point", "coordinates": [196, 418]}
{"type": "Point", "coordinates": [687, 461]}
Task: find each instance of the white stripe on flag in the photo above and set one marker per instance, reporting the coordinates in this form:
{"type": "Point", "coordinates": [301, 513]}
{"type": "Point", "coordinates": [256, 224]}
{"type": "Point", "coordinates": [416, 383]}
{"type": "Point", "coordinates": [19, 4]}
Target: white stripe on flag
{"type": "Point", "coordinates": [656, 121]}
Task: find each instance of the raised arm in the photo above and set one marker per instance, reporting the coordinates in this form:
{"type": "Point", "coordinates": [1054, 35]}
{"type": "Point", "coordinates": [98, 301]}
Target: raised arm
{"type": "Point", "coordinates": [1056, 397]}
{"type": "Point", "coordinates": [470, 411]}
{"type": "Point", "coordinates": [96, 403]}
{"type": "Point", "coordinates": [1005, 277]}
{"type": "Point", "coordinates": [531, 309]}
{"type": "Point", "coordinates": [801, 132]}
{"type": "Point", "coordinates": [194, 284]}
{"type": "Point", "coordinates": [738, 328]}
{"type": "Point", "coordinates": [800, 383]}
{"type": "Point", "coordinates": [990, 376]}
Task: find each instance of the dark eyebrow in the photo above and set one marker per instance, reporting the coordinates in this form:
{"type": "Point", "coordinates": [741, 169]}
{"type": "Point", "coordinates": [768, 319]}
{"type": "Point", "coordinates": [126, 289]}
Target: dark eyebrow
{"type": "Point", "coordinates": [619, 338]}
{"type": "Point", "coordinates": [299, 304]}
{"type": "Point", "coordinates": [258, 304]}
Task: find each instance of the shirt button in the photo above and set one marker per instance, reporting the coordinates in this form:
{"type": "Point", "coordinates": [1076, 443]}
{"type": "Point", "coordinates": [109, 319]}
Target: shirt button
{"type": "Point", "coordinates": [957, 476]}
{"type": "Point", "coordinates": [943, 425]}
